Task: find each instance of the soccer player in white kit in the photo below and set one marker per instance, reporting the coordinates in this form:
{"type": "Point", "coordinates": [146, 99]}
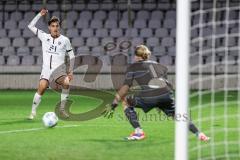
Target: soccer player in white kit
{"type": "Point", "coordinates": [54, 47]}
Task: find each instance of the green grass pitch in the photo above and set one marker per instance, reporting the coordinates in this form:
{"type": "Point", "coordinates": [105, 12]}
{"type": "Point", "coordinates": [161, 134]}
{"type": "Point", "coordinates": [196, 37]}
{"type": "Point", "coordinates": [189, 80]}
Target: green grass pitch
{"type": "Point", "coordinates": [102, 139]}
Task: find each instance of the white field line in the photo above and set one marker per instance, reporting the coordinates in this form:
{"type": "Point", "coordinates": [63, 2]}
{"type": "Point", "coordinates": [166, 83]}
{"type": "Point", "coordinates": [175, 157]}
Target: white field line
{"type": "Point", "coordinates": [65, 126]}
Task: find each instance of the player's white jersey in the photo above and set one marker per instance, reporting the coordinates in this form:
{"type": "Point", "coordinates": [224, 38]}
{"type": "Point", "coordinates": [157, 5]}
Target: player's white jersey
{"type": "Point", "coordinates": [54, 49]}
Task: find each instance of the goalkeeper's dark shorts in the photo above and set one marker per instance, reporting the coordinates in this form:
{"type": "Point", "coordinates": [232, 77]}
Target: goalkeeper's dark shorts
{"type": "Point", "coordinates": [165, 102]}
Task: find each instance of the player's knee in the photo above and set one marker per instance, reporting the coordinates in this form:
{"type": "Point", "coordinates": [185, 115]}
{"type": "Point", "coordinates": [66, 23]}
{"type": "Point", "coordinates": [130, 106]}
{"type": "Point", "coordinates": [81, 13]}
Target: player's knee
{"type": "Point", "coordinates": [131, 101]}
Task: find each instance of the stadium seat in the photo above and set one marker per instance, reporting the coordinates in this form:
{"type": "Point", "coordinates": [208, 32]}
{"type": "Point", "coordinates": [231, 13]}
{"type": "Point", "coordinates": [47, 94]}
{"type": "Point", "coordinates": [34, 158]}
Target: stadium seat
{"type": "Point", "coordinates": [8, 51]}
{"type": "Point", "coordinates": [93, 6]}
{"type": "Point", "coordinates": [27, 60]}
{"type": "Point", "coordinates": [170, 14]}
{"type": "Point", "coordinates": [2, 60]}
{"type": "Point", "coordinates": [57, 14]}
{"type": "Point", "coordinates": [23, 51]}
{"type": "Point", "coordinates": [159, 50]}
{"type": "Point", "coordinates": [10, 24]}
{"type": "Point", "coordinates": [84, 50]}
{"type": "Point", "coordinates": [98, 50]}
{"type": "Point", "coordinates": [29, 16]}
{"type": "Point", "coordinates": [113, 15]}
{"type": "Point", "coordinates": [106, 6]}
{"type": "Point", "coordinates": [154, 23]}
{"type": "Point", "coordinates": [33, 42]}
{"type": "Point", "coordinates": [103, 32]}
{"type": "Point", "coordinates": [92, 42]}
{"type": "Point", "coordinates": [82, 24]}
{"type": "Point", "coordinates": [24, 6]}
{"type": "Point", "coordinates": [116, 32]}
{"type": "Point", "coordinates": [39, 60]}
{"type": "Point", "coordinates": [106, 40]}
{"type": "Point", "coordinates": [146, 32]}
{"type": "Point", "coordinates": [67, 24]}
{"type": "Point", "coordinates": [5, 42]}
{"type": "Point", "coordinates": [79, 6]}
{"type": "Point", "coordinates": [169, 23]}
{"type": "Point", "coordinates": [141, 23]}
{"type": "Point", "coordinates": [137, 41]}
{"type": "Point", "coordinates": [167, 41]}
{"type": "Point", "coordinates": [72, 15]}
{"type": "Point", "coordinates": [16, 16]}
{"type": "Point", "coordinates": [73, 32]}
{"type": "Point", "coordinates": [100, 15]}
{"type": "Point", "coordinates": [152, 41]}
{"type": "Point", "coordinates": [89, 59]}
{"type": "Point", "coordinates": [110, 24]}
{"type": "Point", "coordinates": [87, 33]}
{"type": "Point", "coordinates": [124, 24]}
{"type": "Point", "coordinates": [136, 6]}
{"type": "Point", "coordinates": [165, 60]}
{"type": "Point", "coordinates": [131, 32]}
{"type": "Point", "coordinates": [37, 51]}
{"type": "Point", "coordinates": [86, 15]}
{"type": "Point", "coordinates": [161, 32]}
{"type": "Point", "coordinates": [156, 15]}
{"type": "Point", "coordinates": [173, 32]}
{"type": "Point", "coordinates": [14, 33]}
{"type": "Point", "coordinates": [13, 60]}
{"type": "Point", "coordinates": [18, 42]}
{"type": "Point", "coordinates": [172, 51]}
{"type": "Point", "coordinates": [77, 42]}
{"type": "Point", "coordinates": [3, 33]}
{"type": "Point", "coordinates": [149, 6]}
{"type": "Point", "coordinates": [95, 24]}
{"type": "Point", "coordinates": [125, 15]}
{"type": "Point", "coordinates": [10, 6]}
{"type": "Point", "coordinates": [23, 24]}
{"type": "Point", "coordinates": [119, 60]}
{"type": "Point", "coordinates": [66, 6]}
{"type": "Point", "coordinates": [143, 14]}
{"type": "Point", "coordinates": [37, 6]}
{"type": "Point", "coordinates": [27, 33]}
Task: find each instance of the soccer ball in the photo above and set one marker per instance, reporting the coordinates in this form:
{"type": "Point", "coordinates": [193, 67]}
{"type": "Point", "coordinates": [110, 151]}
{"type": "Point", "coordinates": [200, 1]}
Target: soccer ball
{"type": "Point", "coordinates": [50, 119]}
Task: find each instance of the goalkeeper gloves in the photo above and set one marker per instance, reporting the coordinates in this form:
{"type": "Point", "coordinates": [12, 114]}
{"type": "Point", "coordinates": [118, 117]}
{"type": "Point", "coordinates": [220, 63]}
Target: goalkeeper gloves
{"type": "Point", "coordinates": [110, 110]}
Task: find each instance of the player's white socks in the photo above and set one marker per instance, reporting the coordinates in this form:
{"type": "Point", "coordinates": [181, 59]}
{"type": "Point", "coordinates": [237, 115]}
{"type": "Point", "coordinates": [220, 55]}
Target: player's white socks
{"type": "Point", "coordinates": [36, 101]}
{"type": "Point", "coordinates": [64, 97]}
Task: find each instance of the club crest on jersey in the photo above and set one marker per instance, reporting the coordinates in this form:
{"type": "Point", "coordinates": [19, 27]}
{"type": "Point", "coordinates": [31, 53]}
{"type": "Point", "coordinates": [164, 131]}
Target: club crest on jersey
{"type": "Point", "coordinates": [48, 39]}
{"type": "Point", "coordinates": [59, 43]}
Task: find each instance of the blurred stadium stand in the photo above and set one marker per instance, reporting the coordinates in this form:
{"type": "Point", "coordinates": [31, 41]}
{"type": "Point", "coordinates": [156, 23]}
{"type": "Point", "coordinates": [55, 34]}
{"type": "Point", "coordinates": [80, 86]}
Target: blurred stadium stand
{"type": "Point", "coordinates": [93, 23]}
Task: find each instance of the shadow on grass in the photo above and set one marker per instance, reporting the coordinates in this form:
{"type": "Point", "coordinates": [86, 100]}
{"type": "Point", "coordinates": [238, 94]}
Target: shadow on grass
{"type": "Point", "coordinates": [19, 121]}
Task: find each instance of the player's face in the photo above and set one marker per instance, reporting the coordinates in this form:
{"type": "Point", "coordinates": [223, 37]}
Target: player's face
{"type": "Point", "coordinates": [54, 29]}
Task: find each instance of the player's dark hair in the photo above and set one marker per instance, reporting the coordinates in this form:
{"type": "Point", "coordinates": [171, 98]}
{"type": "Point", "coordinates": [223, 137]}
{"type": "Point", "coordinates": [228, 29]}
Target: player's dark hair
{"type": "Point", "coordinates": [53, 19]}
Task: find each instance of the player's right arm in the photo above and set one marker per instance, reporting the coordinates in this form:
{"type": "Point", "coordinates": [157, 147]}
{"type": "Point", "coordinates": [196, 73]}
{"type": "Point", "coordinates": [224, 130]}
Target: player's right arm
{"type": "Point", "coordinates": [32, 24]}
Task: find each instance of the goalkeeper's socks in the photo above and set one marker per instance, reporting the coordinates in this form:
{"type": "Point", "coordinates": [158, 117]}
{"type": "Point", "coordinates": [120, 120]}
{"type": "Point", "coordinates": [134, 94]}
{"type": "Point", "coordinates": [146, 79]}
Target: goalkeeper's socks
{"type": "Point", "coordinates": [36, 101]}
{"type": "Point", "coordinates": [138, 130]}
{"type": "Point", "coordinates": [193, 128]}
{"type": "Point", "coordinates": [132, 117]}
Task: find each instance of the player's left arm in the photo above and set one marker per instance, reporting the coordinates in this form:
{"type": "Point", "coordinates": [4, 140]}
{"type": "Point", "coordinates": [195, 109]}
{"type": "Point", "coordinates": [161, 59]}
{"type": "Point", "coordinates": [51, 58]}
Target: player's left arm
{"type": "Point", "coordinates": [71, 55]}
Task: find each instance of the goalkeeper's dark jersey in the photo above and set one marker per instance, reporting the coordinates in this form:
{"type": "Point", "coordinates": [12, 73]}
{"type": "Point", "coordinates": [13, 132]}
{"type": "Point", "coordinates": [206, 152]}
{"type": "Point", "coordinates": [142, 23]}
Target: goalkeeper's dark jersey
{"type": "Point", "coordinates": [147, 79]}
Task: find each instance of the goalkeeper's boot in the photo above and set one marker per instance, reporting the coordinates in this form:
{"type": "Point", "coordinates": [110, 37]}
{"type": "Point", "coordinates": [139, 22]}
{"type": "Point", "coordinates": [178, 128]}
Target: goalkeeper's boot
{"type": "Point", "coordinates": [32, 116]}
{"type": "Point", "coordinates": [135, 136]}
{"type": "Point", "coordinates": [203, 137]}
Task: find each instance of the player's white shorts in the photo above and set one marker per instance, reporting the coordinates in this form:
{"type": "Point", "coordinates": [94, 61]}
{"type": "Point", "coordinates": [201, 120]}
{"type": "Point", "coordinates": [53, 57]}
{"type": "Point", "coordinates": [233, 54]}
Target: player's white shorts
{"type": "Point", "coordinates": [51, 74]}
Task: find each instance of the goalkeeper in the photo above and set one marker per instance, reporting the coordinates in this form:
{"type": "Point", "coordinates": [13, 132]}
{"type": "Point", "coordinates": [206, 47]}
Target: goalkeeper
{"type": "Point", "coordinates": [152, 90]}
